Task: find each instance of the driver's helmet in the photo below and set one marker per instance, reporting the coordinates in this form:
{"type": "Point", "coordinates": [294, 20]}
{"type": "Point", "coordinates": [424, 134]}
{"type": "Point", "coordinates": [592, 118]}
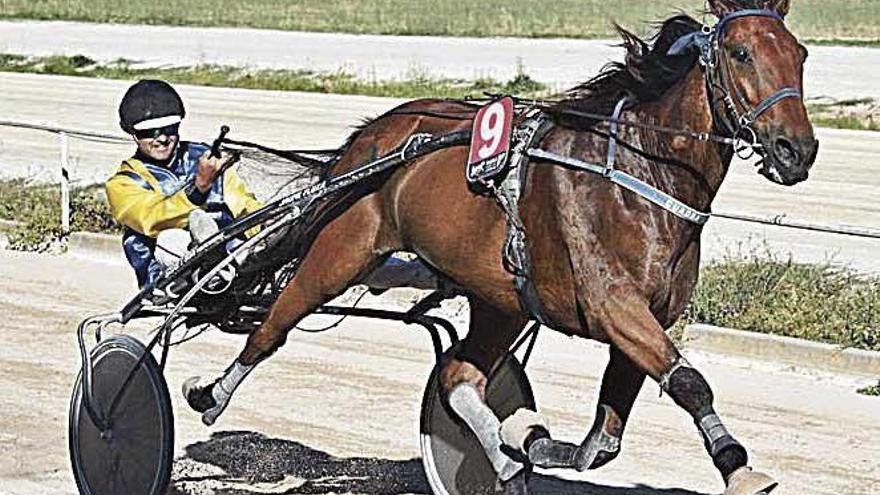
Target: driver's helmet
{"type": "Point", "coordinates": [150, 104]}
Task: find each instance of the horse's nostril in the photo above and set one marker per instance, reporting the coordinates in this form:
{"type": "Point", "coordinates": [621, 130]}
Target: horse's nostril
{"type": "Point", "coordinates": [785, 151]}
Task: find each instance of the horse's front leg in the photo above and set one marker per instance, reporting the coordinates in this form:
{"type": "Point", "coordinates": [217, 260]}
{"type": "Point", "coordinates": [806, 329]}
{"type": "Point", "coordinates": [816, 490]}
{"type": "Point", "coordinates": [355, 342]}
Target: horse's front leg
{"type": "Point", "coordinates": [343, 251]}
{"type": "Point", "coordinates": [620, 387]}
{"type": "Point", "coordinates": [632, 328]}
{"type": "Point", "coordinates": [621, 383]}
{"type": "Point", "coordinates": [641, 347]}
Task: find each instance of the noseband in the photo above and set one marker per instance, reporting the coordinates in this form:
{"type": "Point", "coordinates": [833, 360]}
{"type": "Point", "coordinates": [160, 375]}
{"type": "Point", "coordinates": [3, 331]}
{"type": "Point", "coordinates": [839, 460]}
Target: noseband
{"type": "Point", "coordinates": [710, 42]}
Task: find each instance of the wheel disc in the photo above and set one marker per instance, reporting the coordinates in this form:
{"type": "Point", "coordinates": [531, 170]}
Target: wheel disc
{"type": "Point", "coordinates": [454, 460]}
{"type": "Point", "coordinates": [134, 454]}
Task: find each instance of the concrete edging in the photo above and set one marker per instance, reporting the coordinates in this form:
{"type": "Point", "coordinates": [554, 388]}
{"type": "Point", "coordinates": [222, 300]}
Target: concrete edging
{"type": "Point", "coordinates": [786, 350]}
{"type": "Point", "coordinates": [90, 243]}
{"type": "Point", "coordinates": [709, 338]}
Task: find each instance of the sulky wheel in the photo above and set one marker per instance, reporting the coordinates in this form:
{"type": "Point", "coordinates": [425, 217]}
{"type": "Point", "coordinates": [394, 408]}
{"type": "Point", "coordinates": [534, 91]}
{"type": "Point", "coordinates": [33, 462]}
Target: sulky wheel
{"type": "Point", "coordinates": [453, 458]}
{"type": "Point", "coordinates": [134, 453]}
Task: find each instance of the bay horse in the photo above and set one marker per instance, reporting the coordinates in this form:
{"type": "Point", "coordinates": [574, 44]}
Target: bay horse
{"type": "Point", "coordinates": [607, 264]}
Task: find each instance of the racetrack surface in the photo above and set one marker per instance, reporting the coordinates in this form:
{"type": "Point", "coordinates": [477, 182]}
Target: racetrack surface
{"type": "Point", "coordinates": [839, 72]}
{"type": "Point", "coordinates": [338, 412]}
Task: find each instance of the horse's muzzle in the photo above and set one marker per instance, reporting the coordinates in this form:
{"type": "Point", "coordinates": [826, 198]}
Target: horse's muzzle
{"type": "Point", "coordinates": [789, 161]}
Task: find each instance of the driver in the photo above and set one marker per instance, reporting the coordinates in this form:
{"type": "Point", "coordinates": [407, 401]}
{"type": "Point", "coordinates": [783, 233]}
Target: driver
{"type": "Point", "coordinates": [168, 185]}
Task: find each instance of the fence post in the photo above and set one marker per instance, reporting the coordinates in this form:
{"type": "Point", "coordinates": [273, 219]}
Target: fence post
{"type": "Point", "coordinates": [65, 185]}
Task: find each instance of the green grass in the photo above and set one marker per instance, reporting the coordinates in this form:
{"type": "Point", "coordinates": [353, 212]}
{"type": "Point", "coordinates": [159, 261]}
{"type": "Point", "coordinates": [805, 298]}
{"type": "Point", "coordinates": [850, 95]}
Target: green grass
{"type": "Point", "coordinates": [764, 293]}
{"type": "Point", "coordinates": [861, 114]}
{"type": "Point", "coordinates": [38, 208]}
{"type": "Point", "coordinates": [853, 21]}
{"type": "Point", "coordinates": [416, 86]}
{"type": "Point", "coordinates": [870, 390]}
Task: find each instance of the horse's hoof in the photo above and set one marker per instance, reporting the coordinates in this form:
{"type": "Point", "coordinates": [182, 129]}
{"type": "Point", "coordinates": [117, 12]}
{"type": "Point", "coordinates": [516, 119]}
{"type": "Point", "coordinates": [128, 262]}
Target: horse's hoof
{"type": "Point", "coordinates": [198, 396]}
{"type": "Point", "coordinates": [601, 446]}
{"type": "Point", "coordinates": [745, 481]}
{"type": "Point", "coordinates": [204, 399]}
{"type": "Point", "coordinates": [518, 485]}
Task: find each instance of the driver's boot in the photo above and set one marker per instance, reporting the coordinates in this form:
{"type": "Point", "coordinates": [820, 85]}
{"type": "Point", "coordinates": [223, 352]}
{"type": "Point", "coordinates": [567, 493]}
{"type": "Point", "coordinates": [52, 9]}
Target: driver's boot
{"type": "Point", "coordinates": [201, 226]}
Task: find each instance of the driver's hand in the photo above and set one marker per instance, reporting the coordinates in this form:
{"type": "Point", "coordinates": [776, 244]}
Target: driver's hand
{"type": "Point", "coordinates": [208, 168]}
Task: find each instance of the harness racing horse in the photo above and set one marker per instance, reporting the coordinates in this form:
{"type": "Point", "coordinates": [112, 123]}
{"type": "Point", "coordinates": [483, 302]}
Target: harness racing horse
{"type": "Point", "coordinates": [606, 264]}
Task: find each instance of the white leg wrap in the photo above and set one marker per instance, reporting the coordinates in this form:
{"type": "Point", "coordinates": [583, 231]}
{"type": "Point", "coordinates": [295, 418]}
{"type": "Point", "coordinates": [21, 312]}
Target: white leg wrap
{"type": "Point", "coordinates": [466, 402]}
{"type": "Point", "coordinates": [516, 428]}
{"type": "Point", "coordinates": [224, 389]}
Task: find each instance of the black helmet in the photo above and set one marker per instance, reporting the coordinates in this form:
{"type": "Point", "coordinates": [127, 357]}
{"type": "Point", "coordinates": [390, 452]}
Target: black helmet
{"type": "Point", "coordinates": [148, 104]}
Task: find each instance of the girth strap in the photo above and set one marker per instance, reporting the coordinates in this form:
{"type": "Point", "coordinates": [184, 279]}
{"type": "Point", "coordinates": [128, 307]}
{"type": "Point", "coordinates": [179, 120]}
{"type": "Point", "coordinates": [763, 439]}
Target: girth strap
{"type": "Point", "coordinates": [516, 254]}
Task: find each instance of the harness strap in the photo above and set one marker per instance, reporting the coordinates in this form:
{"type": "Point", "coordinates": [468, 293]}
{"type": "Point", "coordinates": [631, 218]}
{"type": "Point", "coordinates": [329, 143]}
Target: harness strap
{"type": "Point", "coordinates": [722, 23]}
{"type": "Point", "coordinates": [612, 136]}
{"type": "Point", "coordinates": [628, 182]}
{"type": "Point", "coordinates": [768, 103]}
{"type": "Point", "coordinates": [516, 254]}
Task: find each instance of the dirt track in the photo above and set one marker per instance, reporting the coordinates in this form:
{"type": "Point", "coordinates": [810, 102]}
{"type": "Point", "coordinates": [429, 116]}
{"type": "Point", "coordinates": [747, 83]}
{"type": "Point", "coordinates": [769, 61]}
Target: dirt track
{"type": "Point", "coordinates": [338, 412]}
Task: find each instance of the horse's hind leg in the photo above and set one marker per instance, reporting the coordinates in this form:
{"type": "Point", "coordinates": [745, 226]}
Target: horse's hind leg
{"type": "Point", "coordinates": [620, 387]}
{"type": "Point", "coordinates": [464, 379]}
{"type": "Point", "coordinates": [526, 433]}
{"type": "Point", "coordinates": [344, 250]}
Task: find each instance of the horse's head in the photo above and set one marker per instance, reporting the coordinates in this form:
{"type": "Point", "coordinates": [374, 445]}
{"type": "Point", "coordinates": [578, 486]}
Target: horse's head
{"type": "Point", "coordinates": [759, 67]}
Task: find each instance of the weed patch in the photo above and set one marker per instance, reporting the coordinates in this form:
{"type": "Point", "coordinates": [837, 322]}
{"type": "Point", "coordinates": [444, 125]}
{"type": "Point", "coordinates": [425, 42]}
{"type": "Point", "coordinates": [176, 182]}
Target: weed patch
{"type": "Point", "coordinates": [870, 390]}
{"type": "Point", "coordinates": [38, 209]}
{"type": "Point", "coordinates": [763, 293]}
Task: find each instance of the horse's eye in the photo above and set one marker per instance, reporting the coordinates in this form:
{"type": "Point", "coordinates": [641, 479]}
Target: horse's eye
{"type": "Point", "coordinates": [742, 55]}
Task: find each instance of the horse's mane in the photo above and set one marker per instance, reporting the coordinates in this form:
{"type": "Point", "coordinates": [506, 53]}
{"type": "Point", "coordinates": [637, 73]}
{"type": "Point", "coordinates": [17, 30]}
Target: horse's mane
{"type": "Point", "coordinates": [646, 73]}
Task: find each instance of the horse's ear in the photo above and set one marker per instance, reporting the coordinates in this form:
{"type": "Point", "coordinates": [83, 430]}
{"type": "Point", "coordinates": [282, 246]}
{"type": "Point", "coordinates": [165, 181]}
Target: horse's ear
{"type": "Point", "coordinates": [723, 7]}
{"type": "Point", "coordinates": [780, 6]}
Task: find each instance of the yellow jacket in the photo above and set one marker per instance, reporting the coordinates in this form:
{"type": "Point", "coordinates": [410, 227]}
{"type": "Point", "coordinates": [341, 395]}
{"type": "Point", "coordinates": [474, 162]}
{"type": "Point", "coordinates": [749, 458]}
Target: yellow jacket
{"type": "Point", "coordinates": [148, 205]}
{"type": "Point", "coordinates": [147, 199]}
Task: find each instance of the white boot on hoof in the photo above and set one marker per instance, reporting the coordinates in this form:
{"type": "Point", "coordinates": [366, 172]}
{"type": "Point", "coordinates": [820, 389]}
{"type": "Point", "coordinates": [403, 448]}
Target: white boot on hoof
{"type": "Point", "coordinates": [517, 427]}
{"type": "Point", "coordinates": [745, 481]}
{"type": "Point", "coordinates": [210, 400]}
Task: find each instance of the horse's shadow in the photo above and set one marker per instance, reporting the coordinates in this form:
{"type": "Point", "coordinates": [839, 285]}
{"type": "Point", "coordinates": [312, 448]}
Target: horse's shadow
{"type": "Point", "coordinates": [251, 458]}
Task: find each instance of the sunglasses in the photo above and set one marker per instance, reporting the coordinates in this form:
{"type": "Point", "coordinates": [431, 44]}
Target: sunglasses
{"type": "Point", "coordinates": [168, 130]}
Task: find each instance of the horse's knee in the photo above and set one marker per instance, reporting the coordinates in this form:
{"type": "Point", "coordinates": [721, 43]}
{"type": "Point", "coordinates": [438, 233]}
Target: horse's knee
{"type": "Point", "coordinates": [456, 372]}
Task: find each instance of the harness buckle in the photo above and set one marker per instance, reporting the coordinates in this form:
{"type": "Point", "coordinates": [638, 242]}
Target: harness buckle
{"type": "Point", "coordinates": [746, 148]}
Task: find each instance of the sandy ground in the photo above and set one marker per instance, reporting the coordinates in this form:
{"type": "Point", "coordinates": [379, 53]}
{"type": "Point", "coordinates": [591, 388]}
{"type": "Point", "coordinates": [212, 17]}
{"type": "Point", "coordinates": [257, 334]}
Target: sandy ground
{"type": "Point", "coordinates": [839, 72]}
{"type": "Point", "coordinates": [338, 412]}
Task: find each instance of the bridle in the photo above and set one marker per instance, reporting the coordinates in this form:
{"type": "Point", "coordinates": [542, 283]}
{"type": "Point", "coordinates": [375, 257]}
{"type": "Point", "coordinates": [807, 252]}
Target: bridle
{"type": "Point", "coordinates": [719, 76]}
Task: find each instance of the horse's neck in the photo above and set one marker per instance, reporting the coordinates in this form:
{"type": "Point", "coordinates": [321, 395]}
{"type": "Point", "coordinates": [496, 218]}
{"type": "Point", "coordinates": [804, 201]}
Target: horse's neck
{"type": "Point", "coordinates": [687, 107]}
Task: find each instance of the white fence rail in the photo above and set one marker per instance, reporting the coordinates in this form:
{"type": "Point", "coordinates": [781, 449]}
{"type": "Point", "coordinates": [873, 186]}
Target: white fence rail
{"type": "Point", "coordinates": [64, 181]}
